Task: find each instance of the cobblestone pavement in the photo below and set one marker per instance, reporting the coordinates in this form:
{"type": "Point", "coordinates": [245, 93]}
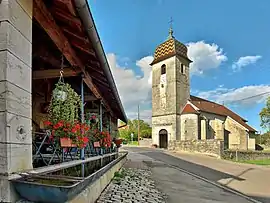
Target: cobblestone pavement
{"type": "Point", "coordinates": [132, 186]}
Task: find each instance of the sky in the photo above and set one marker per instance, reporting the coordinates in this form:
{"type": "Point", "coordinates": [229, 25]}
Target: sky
{"type": "Point", "coordinates": [228, 42]}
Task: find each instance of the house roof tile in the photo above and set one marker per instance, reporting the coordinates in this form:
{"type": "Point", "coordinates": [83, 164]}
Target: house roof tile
{"type": "Point", "coordinates": [212, 107]}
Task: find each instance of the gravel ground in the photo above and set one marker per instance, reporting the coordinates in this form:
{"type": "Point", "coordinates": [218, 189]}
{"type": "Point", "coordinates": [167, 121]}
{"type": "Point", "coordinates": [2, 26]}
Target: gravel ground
{"type": "Point", "coordinates": [132, 186]}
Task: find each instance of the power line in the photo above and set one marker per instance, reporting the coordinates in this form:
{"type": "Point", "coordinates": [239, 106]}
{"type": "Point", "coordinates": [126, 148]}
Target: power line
{"type": "Point", "coordinates": [257, 95]}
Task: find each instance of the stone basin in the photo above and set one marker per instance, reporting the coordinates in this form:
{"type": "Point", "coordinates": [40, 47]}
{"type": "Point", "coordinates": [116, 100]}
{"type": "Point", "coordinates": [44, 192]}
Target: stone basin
{"type": "Point", "coordinates": [54, 187]}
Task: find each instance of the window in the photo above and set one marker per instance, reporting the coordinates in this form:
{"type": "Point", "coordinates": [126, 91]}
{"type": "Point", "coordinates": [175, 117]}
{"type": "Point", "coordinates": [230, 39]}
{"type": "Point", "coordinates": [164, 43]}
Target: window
{"type": "Point", "coordinates": [163, 69]}
{"type": "Point", "coordinates": [182, 68]}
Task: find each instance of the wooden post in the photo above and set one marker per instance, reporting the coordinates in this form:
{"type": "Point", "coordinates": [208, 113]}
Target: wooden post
{"type": "Point", "coordinates": [100, 116]}
{"type": "Point", "coordinates": [110, 121]}
{"type": "Point", "coordinates": [138, 124]}
{"type": "Point", "coordinates": [101, 125]}
{"type": "Point", "coordinates": [82, 120]}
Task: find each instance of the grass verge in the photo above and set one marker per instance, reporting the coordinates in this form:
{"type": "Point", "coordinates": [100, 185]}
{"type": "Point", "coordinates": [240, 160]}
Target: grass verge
{"type": "Point", "coordinates": [263, 162]}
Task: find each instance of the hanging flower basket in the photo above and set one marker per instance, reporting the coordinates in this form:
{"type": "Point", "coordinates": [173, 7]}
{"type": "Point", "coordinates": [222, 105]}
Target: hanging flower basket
{"type": "Point", "coordinates": [65, 104]}
{"type": "Point", "coordinates": [59, 95]}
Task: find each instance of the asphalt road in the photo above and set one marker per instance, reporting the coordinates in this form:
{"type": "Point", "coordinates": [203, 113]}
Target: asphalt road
{"type": "Point", "coordinates": [180, 186]}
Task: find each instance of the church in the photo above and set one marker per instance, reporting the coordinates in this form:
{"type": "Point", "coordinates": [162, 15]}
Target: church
{"type": "Point", "coordinates": [177, 115]}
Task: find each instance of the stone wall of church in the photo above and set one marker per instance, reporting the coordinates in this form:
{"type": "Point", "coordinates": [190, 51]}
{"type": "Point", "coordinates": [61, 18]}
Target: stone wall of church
{"type": "Point", "coordinates": [164, 95]}
{"type": "Point", "coordinates": [182, 83]}
{"type": "Point", "coordinates": [214, 126]}
{"type": "Point", "coordinates": [168, 123]}
{"type": "Point", "coordinates": [171, 90]}
{"type": "Point", "coordinates": [189, 127]}
{"type": "Point", "coordinates": [238, 137]}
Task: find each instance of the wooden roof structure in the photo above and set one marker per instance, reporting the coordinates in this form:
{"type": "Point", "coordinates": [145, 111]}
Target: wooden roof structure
{"type": "Point", "coordinates": [64, 35]}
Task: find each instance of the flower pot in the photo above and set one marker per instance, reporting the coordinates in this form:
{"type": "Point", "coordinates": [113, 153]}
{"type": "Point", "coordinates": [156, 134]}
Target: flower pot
{"type": "Point", "coordinates": [96, 144]}
{"type": "Point", "coordinates": [66, 142]}
{"type": "Point", "coordinates": [118, 142]}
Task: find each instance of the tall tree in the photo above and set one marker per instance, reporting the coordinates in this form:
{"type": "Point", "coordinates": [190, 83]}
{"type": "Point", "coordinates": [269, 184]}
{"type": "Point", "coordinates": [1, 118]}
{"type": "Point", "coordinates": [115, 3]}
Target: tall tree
{"type": "Point", "coordinates": [265, 115]}
{"type": "Point", "coordinates": [145, 130]}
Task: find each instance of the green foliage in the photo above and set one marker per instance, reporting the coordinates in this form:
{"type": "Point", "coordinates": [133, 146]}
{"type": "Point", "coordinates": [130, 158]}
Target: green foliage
{"type": "Point", "coordinates": [265, 116]}
{"type": "Point", "coordinates": [145, 130]}
{"type": "Point", "coordinates": [65, 104]}
{"type": "Point", "coordinates": [263, 139]}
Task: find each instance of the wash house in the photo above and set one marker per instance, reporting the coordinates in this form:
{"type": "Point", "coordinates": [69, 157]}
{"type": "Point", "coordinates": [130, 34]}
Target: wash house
{"type": "Point", "coordinates": [44, 44]}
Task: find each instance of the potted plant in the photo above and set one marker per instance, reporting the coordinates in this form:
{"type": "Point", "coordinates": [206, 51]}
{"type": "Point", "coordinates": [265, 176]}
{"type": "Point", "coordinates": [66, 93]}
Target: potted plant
{"type": "Point", "coordinates": [63, 116]}
{"type": "Point", "coordinates": [118, 142]}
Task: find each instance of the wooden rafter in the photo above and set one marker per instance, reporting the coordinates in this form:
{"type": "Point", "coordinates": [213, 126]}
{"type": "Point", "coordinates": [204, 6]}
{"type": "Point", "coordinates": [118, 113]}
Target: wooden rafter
{"type": "Point", "coordinates": [46, 20]}
{"type": "Point", "coordinates": [80, 42]}
{"type": "Point", "coordinates": [105, 84]}
{"type": "Point", "coordinates": [88, 98]}
{"type": "Point", "coordinates": [95, 64]}
{"type": "Point", "coordinates": [84, 40]}
{"type": "Point", "coordinates": [97, 70]}
{"type": "Point", "coordinates": [54, 73]}
{"type": "Point", "coordinates": [65, 17]}
{"type": "Point", "coordinates": [68, 4]}
{"type": "Point", "coordinates": [83, 47]}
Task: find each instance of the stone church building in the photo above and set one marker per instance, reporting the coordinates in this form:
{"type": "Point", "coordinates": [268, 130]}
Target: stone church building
{"type": "Point", "coordinates": [177, 115]}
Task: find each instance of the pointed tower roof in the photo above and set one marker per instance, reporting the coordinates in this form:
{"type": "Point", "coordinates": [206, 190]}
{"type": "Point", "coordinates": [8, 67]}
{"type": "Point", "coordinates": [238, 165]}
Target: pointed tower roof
{"type": "Point", "coordinates": [171, 47]}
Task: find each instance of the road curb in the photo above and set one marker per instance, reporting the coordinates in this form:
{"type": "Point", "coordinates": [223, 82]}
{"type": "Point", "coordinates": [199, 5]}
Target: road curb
{"type": "Point", "coordinates": [215, 184]}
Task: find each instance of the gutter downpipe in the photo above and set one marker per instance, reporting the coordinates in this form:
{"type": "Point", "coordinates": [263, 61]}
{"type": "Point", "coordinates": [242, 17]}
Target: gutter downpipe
{"type": "Point", "coordinates": [85, 14]}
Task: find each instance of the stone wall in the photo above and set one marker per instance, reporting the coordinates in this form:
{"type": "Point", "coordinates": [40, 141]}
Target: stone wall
{"type": "Point", "coordinates": [15, 91]}
{"type": "Point", "coordinates": [189, 126]}
{"type": "Point", "coordinates": [167, 122]}
{"type": "Point", "coordinates": [251, 144]}
{"type": "Point", "coordinates": [246, 155]}
{"type": "Point", "coordinates": [145, 142]}
{"type": "Point", "coordinates": [238, 137]}
{"type": "Point", "coordinates": [213, 128]}
{"type": "Point", "coordinates": [91, 193]}
{"type": "Point", "coordinates": [210, 147]}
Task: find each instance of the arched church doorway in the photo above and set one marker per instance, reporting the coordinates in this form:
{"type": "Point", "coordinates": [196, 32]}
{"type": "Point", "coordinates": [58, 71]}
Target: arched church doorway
{"type": "Point", "coordinates": [163, 139]}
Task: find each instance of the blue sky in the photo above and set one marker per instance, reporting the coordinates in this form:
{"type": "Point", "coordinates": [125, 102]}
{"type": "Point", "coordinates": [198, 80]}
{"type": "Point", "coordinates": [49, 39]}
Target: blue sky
{"type": "Point", "coordinates": [227, 40]}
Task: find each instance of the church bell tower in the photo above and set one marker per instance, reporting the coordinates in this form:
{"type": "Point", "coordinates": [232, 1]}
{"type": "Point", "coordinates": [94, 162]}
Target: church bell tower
{"type": "Point", "coordinates": [170, 90]}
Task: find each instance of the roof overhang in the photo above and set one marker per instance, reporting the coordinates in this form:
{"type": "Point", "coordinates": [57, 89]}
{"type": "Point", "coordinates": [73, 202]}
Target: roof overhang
{"type": "Point", "coordinates": [84, 12]}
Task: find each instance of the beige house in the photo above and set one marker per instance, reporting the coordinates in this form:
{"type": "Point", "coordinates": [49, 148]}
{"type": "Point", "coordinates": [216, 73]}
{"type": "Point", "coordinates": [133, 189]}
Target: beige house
{"type": "Point", "coordinates": [177, 115]}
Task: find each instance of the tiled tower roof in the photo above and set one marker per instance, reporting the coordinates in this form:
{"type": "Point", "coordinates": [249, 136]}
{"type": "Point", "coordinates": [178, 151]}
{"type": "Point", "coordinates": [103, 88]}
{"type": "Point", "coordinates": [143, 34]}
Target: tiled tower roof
{"type": "Point", "coordinates": [169, 48]}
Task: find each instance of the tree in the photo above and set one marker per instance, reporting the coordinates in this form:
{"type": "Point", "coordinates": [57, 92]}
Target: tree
{"type": "Point", "coordinates": [265, 115]}
{"type": "Point", "coordinates": [132, 127]}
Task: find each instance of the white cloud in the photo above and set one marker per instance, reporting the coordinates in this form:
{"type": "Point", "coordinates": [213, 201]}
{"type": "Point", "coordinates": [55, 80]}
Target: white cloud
{"type": "Point", "coordinates": [245, 61]}
{"type": "Point", "coordinates": [252, 95]}
{"type": "Point", "coordinates": [204, 56]}
{"type": "Point", "coordinates": [133, 89]}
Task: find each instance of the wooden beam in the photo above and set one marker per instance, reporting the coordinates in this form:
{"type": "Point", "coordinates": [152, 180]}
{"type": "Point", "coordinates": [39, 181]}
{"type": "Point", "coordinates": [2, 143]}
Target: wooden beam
{"type": "Point", "coordinates": [46, 20]}
{"type": "Point", "coordinates": [83, 47]}
{"type": "Point", "coordinates": [69, 5]}
{"type": "Point", "coordinates": [85, 40]}
{"type": "Point", "coordinates": [88, 98]}
{"type": "Point", "coordinates": [97, 70]}
{"type": "Point", "coordinates": [54, 73]}
{"type": "Point", "coordinates": [80, 42]}
{"type": "Point", "coordinates": [105, 84]}
{"type": "Point", "coordinates": [68, 19]}
{"type": "Point", "coordinates": [95, 64]}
